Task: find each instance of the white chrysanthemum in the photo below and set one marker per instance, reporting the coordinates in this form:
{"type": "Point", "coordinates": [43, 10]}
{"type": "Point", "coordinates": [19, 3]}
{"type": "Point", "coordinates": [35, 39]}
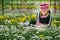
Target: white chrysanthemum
{"type": "Point", "coordinates": [9, 21]}
{"type": "Point", "coordinates": [34, 38]}
{"type": "Point", "coordinates": [26, 23]}
{"type": "Point", "coordinates": [21, 23]}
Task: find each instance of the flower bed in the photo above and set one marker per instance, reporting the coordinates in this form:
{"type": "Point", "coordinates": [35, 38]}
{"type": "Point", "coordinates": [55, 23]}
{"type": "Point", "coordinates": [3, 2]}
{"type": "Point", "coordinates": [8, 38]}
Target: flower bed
{"type": "Point", "coordinates": [17, 28]}
{"type": "Point", "coordinates": [22, 33]}
{"type": "Point", "coordinates": [24, 18]}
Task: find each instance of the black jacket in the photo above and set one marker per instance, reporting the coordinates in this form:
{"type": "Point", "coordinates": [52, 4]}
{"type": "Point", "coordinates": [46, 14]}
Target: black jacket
{"type": "Point", "coordinates": [44, 20]}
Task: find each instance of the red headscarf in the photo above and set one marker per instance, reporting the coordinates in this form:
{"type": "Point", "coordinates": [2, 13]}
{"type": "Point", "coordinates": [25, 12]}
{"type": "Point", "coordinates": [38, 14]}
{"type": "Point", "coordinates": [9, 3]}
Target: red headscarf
{"type": "Point", "coordinates": [44, 6]}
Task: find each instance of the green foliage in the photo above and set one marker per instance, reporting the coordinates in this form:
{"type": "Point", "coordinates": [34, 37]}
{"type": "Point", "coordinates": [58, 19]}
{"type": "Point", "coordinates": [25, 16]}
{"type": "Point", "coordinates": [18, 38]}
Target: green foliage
{"type": "Point", "coordinates": [20, 32]}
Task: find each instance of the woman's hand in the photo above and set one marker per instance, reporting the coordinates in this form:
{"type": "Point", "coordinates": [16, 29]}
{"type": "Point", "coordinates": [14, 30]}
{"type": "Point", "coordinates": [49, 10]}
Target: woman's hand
{"type": "Point", "coordinates": [38, 24]}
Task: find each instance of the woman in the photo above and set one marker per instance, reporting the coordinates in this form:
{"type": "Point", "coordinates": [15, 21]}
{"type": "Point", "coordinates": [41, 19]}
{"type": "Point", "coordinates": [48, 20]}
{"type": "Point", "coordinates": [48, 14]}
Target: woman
{"type": "Point", "coordinates": [43, 16]}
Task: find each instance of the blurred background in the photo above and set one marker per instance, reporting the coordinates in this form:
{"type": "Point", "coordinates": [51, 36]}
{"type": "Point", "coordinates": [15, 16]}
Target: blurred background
{"type": "Point", "coordinates": [12, 6]}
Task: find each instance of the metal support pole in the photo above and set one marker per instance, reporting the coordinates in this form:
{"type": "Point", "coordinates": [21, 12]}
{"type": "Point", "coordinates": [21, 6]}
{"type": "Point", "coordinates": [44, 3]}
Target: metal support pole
{"type": "Point", "coordinates": [2, 7]}
{"type": "Point", "coordinates": [12, 5]}
{"type": "Point", "coordinates": [54, 6]}
{"type": "Point", "coordinates": [59, 5]}
{"type": "Point", "coordinates": [17, 4]}
{"type": "Point", "coordinates": [50, 3]}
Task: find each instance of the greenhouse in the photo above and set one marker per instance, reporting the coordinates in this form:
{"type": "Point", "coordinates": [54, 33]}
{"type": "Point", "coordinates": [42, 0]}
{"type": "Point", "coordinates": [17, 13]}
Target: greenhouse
{"type": "Point", "coordinates": [29, 19]}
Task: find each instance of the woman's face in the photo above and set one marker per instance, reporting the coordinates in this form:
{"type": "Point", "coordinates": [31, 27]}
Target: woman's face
{"type": "Point", "coordinates": [44, 11]}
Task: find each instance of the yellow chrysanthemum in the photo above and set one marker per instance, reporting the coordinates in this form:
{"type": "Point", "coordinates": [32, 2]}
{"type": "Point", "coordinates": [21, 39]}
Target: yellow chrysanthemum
{"type": "Point", "coordinates": [21, 19]}
{"type": "Point", "coordinates": [33, 16]}
{"type": "Point", "coordinates": [28, 16]}
{"type": "Point", "coordinates": [1, 17]}
{"type": "Point", "coordinates": [13, 20]}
